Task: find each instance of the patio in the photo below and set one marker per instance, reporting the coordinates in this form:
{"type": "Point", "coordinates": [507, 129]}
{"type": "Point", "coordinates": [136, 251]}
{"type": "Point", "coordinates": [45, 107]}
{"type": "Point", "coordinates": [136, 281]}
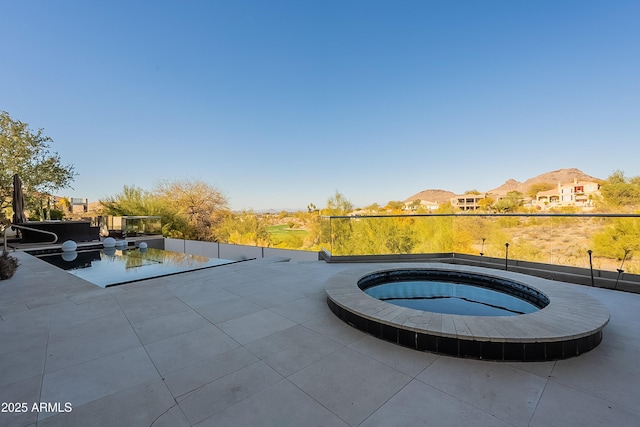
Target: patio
{"type": "Point", "coordinates": [254, 343]}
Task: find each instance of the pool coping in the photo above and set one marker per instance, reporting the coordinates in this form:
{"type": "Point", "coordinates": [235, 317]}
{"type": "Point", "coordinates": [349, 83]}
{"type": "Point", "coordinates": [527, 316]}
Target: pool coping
{"type": "Point", "coordinates": [569, 325]}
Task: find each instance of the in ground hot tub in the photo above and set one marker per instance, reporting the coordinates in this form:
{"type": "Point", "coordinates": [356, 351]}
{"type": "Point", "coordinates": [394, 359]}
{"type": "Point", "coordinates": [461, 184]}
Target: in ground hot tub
{"type": "Point", "coordinates": [453, 292]}
{"type": "Point", "coordinates": [561, 321]}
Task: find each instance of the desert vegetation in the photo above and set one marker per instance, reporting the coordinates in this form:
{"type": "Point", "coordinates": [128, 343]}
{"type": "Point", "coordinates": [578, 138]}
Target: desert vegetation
{"type": "Point", "coordinates": [196, 210]}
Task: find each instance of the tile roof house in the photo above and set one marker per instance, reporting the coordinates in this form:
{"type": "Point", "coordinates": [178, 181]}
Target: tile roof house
{"type": "Point", "coordinates": [577, 193]}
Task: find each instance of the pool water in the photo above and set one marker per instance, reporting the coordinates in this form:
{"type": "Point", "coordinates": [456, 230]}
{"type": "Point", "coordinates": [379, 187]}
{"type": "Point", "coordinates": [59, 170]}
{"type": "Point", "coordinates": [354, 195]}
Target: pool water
{"type": "Point", "coordinates": [451, 298]}
{"type": "Point", "coordinates": [108, 266]}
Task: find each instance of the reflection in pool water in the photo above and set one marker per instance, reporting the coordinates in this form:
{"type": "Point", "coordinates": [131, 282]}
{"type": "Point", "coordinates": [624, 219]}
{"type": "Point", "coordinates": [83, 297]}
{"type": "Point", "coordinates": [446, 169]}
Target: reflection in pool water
{"type": "Point", "coordinates": [453, 292]}
{"type": "Point", "coordinates": [112, 266]}
{"type": "Point", "coordinates": [450, 298]}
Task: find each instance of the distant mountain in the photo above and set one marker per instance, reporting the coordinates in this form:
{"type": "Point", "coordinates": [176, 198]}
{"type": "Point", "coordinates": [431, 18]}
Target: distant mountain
{"type": "Point", "coordinates": [561, 175]}
{"type": "Point", "coordinates": [509, 185]}
{"type": "Point", "coordinates": [439, 196]}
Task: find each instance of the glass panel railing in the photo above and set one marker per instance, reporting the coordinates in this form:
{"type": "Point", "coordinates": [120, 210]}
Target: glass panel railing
{"type": "Point", "coordinates": [559, 239]}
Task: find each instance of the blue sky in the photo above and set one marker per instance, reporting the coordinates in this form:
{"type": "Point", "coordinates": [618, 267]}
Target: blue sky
{"type": "Point", "coordinates": [281, 103]}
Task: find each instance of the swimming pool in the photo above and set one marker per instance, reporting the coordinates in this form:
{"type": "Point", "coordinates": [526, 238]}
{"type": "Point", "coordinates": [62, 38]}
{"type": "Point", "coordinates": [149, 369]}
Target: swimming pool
{"type": "Point", "coordinates": [110, 266]}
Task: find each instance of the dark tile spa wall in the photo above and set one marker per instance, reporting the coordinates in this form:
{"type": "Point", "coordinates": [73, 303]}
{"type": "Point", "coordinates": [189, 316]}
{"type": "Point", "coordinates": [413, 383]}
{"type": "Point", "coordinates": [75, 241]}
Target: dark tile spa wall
{"type": "Point", "coordinates": [486, 350]}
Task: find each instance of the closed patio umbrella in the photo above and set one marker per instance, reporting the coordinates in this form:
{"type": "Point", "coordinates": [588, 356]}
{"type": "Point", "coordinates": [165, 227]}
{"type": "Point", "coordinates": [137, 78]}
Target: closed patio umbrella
{"type": "Point", "coordinates": [18, 201]}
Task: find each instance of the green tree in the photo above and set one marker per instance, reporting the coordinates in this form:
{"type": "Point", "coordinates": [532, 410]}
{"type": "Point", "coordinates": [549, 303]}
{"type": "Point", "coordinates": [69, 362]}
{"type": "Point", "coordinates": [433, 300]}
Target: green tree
{"type": "Point", "coordinates": [620, 191]}
{"type": "Point", "coordinates": [372, 208]}
{"type": "Point", "coordinates": [534, 189]}
{"type": "Point", "coordinates": [28, 154]}
{"type": "Point", "coordinates": [509, 203]}
{"type": "Point", "coordinates": [620, 237]}
{"type": "Point", "coordinates": [395, 206]}
{"type": "Point", "coordinates": [486, 203]}
{"type": "Point", "coordinates": [617, 177]}
{"type": "Point", "coordinates": [336, 232]}
{"type": "Point", "coordinates": [189, 209]}
{"type": "Point", "coordinates": [244, 228]}
{"type": "Point", "coordinates": [415, 205]}
{"type": "Point", "coordinates": [313, 225]}
{"type": "Point", "coordinates": [201, 205]}
{"type": "Point", "coordinates": [134, 201]}
{"type": "Point", "coordinates": [338, 204]}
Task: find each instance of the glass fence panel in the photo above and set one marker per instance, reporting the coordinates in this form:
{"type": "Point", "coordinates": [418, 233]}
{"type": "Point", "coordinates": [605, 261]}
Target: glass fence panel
{"type": "Point", "coordinates": [614, 240]}
{"type": "Point", "coordinates": [616, 244]}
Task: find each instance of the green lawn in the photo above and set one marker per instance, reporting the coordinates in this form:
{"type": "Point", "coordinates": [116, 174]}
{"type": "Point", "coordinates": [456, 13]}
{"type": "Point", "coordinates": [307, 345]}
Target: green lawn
{"type": "Point", "coordinates": [283, 236]}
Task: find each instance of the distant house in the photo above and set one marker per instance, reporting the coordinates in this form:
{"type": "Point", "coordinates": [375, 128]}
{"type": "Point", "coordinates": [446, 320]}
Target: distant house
{"type": "Point", "coordinates": [422, 204]}
{"type": "Point", "coordinates": [78, 205]}
{"type": "Point", "coordinates": [468, 202]}
{"type": "Point", "coordinates": [577, 193]}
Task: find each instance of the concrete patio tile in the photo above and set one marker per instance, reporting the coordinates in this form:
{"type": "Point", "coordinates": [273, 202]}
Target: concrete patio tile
{"type": "Point", "coordinates": [160, 328]}
{"type": "Point", "coordinates": [419, 404]}
{"type": "Point", "coordinates": [301, 285]}
{"type": "Point", "coordinates": [301, 310]}
{"type": "Point", "coordinates": [541, 369]}
{"type": "Point", "coordinates": [498, 389]}
{"type": "Point", "coordinates": [22, 364]}
{"type": "Point", "coordinates": [8, 308]}
{"type": "Point", "coordinates": [332, 327]}
{"type": "Point", "coordinates": [281, 404]}
{"type": "Point", "coordinates": [294, 336]}
{"type": "Point", "coordinates": [16, 335]}
{"type": "Point", "coordinates": [619, 348]}
{"type": "Point", "coordinates": [267, 295]}
{"type": "Point", "coordinates": [198, 281]}
{"type": "Point", "coordinates": [73, 351]}
{"type": "Point", "coordinates": [26, 391]}
{"type": "Point", "coordinates": [588, 371]}
{"type": "Point", "coordinates": [88, 320]}
{"type": "Point", "coordinates": [95, 294]}
{"type": "Point", "coordinates": [254, 326]}
{"type": "Point", "coordinates": [564, 406]}
{"type": "Point", "coordinates": [49, 299]}
{"type": "Point", "coordinates": [290, 350]}
{"type": "Point", "coordinates": [234, 375]}
{"type": "Point", "coordinates": [186, 349]}
{"type": "Point", "coordinates": [194, 376]}
{"type": "Point", "coordinates": [41, 314]}
{"type": "Point", "coordinates": [338, 383]}
{"type": "Point", "coordinates": [221, 311]}
{"type": "Point", "coordinates": [146, 404]}
{"type": "Point", "coordinates": [218, 395]}
{"type": "Point", "coordinates": [405, 360]}
{"type": "Point", "coordinates": [266, 273]}
{"type": "Point", "coordinates": [152, 289]}
{"type": "Point", "coordinates": [98, 378]}
{"type": "Point", "coordinates": [86, 311]}
{"type": "Point", "coordinates": [202, 295]}
{"type": "Point", "coordinates": [156, 306]}
{"type": "Point", "coordinates": [243, 286]}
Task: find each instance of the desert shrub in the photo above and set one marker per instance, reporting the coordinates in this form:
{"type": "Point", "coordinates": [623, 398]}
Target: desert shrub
{"type": "Point", "coordinates": [8, 266]}
{"type": "Point", "coordinates": [56, 214]}
{"type": "Point", "coordinates": [508, 221]}
{"type": "Point", "coordinates": [619, 239]}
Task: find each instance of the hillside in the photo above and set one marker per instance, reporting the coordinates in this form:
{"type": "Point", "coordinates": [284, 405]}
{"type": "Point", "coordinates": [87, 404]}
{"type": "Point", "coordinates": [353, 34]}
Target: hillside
{"type": "Point", "coordinates": [561, 175]}
{"type": "Point", "coordinates": [440, 196]}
